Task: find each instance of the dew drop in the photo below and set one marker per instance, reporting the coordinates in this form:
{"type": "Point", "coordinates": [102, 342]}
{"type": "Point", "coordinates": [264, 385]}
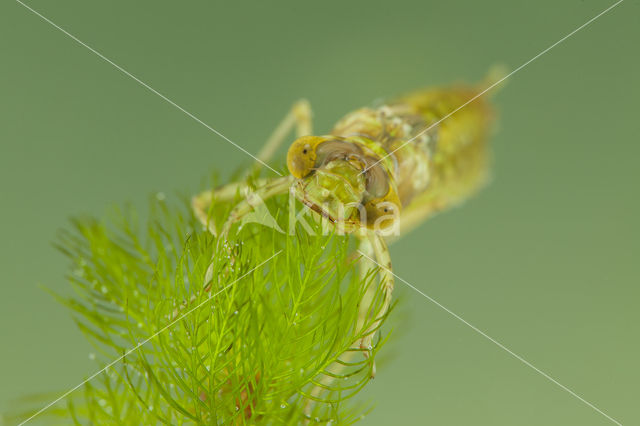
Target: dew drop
{"type": "Point", "coordinates": [160, 196]}
{"type": "Point", "coordinates": [92, 356]}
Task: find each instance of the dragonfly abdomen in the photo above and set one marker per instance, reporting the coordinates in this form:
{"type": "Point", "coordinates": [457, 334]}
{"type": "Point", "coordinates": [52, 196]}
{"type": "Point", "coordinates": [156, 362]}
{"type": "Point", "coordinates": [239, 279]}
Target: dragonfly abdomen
{"type": "Point", "coordinates": [424, 143]}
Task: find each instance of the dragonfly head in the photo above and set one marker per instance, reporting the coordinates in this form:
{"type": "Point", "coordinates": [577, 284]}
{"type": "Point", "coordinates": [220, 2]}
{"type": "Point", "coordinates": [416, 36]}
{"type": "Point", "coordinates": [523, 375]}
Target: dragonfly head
{"type": "Point", "coordinates": [339, 179]}
{"type": "Point", "coordinates": [330, 179]}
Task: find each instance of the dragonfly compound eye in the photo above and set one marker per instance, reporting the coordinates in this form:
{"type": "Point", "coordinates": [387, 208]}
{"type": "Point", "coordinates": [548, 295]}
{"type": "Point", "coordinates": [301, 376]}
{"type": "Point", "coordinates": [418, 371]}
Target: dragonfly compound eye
{"type": "Point", "coordinates": [301, 158]}
{"type": "Point", "coordinates": [381, 215]}
{"type": "Point", "coordinates": [377, 181]}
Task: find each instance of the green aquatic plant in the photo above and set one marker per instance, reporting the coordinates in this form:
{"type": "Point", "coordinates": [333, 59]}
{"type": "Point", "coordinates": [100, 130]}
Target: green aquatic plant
{"type": "Point", "coordinates": [261, 328]}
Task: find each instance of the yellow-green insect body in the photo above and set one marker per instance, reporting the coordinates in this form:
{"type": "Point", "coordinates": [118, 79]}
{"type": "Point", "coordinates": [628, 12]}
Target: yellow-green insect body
{"type": "Point", "coordinates": [378, 168]}
{"type": "Point", "coordinates": [377, 162]}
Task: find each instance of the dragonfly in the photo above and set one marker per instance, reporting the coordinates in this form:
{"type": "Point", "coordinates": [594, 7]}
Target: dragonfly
{"type": "Point", "coordinates": [379, 173]}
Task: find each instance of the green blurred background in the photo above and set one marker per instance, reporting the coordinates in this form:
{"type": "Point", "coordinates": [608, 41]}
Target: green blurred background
{"type": "Point", "coordinates": [544, 260]}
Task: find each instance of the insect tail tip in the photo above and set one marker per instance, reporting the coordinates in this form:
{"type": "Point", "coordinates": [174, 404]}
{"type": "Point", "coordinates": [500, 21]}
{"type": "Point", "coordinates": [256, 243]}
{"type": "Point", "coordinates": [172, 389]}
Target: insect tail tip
{"type": "Point", "coordinates": [497, 73]}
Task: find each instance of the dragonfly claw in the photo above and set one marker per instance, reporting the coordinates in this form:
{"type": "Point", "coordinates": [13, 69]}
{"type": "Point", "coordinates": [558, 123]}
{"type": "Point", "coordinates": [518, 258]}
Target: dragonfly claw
{"type": "Point", "coordinates": [366, 347]}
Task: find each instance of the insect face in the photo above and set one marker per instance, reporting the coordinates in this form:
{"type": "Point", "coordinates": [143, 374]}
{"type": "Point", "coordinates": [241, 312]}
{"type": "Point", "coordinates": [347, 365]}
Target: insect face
{"type": "Point", "coordinates": [339, 178]}
{"type": "Point", "coordinates": [335, 190]}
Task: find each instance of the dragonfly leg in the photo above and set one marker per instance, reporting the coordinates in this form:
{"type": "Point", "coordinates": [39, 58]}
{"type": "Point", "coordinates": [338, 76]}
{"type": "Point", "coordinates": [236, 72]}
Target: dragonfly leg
{"type": "Point", "coordinates": [299, 117]}
{"type": "Point", "coordinates": [335, 369]}
{"type": "Point", "coordinates": [253, 200]}
{"type": "Point", "coordinates": [202, 203]}
{"type": "Point", "coordinates": [364, 265]}
{"type": "Point", "coordinates": [372, 246]}
{"type": "Point", "coordinates": [385, 284]}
